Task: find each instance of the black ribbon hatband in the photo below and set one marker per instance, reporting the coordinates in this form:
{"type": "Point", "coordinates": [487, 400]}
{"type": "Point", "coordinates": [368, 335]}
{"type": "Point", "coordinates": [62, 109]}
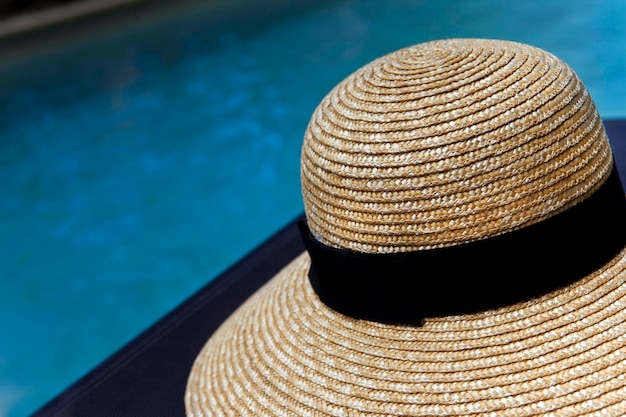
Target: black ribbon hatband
{"type": "Point", "coordinates": [405, 288]}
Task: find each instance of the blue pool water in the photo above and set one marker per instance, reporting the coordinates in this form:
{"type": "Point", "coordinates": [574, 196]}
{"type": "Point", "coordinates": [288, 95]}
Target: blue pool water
{"type": "Point", "coordinates": [136, 167]}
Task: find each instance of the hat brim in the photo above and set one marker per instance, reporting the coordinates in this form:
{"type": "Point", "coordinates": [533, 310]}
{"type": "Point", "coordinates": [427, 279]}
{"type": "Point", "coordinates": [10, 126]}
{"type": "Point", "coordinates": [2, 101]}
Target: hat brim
{"type": "Point", "coordinates": [283, 352]}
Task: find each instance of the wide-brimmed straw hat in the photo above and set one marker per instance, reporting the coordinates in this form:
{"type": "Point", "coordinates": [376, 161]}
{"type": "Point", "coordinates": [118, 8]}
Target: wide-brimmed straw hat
{"type": "Point", "coordinates": [465, 252]}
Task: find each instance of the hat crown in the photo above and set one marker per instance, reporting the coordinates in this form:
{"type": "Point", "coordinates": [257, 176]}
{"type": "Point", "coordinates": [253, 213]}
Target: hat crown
{"type": "Point", "coordinates": [449, 142]}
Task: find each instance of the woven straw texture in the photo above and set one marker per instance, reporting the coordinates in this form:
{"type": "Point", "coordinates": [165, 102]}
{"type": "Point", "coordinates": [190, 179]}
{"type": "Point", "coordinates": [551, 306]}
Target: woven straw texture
{"type": "Point", "coordinates": [284, 353]}
{"type": "Point", "coordinates": [448, 142]}
{"type": "Point", "coordinates": [434, 145]}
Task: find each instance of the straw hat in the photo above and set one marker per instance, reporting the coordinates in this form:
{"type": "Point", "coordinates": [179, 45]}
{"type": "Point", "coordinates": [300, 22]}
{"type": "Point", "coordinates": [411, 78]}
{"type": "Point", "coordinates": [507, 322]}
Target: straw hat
{"type": "Point", "coordinates": [465, 252]}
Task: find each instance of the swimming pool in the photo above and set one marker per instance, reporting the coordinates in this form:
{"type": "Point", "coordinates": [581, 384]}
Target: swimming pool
{"type": "Point", "coordinates": [137, 166]}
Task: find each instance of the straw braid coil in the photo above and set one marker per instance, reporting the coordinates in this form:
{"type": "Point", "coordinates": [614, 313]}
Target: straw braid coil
{"type": "Point", "coordinates": [448, 142]}
{"type": "Point", "coordinates": [434, 145]}
{"type": "Point", "coordinates": [284, 353]}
